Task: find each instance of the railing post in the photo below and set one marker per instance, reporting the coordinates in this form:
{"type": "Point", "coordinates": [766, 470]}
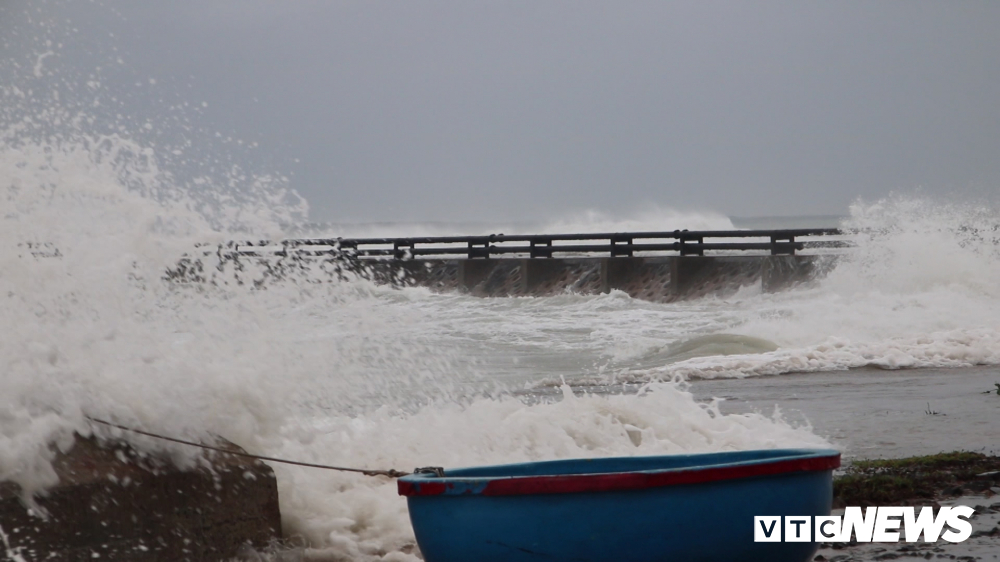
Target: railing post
{"type": "Point", "coordinates": [782, 245]}
{"type": "Point", "coordinates": [540, 248]}
{"type": "Point", "coordinates": [686, 243]}
{"type": "Point", "coordinates": [479, 249]}
{"type": "Point", "coordinates": [688, 249]}
{"type": "Point", "coordinates": [348, 248]}
{"type": "Point", "coordinates": [399, 248]}
{"type": "Point", "coordinates": [624, 249]}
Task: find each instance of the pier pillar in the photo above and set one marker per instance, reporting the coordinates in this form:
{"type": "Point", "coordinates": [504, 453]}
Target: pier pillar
{"type": "Point", "coordinates": [783, 272]}
{"type": "Point", "coordinates": [619, 273]}
{"type": "Point", "coordinates": [654, 278]}
{"type": "Point", "coordinates": [491, 277]}
{"type": "Point", "coordinates": [536, 273]}
{"type": "Point", "coordinates": [697, 276]}
{"type": "Point", "coordinates": [687, 273]}
{"type": "Point", "coordinates": [471, 273]}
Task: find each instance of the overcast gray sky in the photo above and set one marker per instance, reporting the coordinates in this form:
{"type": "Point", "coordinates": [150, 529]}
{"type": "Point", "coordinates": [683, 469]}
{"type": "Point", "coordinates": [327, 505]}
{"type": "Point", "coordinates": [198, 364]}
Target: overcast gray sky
{"type": "Point", "coordinates": [525, 109]}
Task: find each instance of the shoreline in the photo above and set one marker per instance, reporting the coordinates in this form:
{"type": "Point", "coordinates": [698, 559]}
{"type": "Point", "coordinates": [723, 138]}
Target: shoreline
{"type": "Point", "coordinates": [919, 480]}
{"type": "Point", "coordinates": [874, 413]}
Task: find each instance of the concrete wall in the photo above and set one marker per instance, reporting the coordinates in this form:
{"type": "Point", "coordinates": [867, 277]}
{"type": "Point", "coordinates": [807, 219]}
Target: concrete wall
{"type": "Point", "coordinates": [661, 279]}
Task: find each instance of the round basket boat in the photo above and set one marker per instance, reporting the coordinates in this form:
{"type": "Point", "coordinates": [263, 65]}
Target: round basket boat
{"type": "Point", "coordinates": [628, 509]}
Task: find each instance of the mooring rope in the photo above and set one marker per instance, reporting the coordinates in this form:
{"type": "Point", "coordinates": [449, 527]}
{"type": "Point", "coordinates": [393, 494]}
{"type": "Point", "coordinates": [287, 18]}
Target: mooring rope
{"type": "Point", "coordinates": [391, 473]}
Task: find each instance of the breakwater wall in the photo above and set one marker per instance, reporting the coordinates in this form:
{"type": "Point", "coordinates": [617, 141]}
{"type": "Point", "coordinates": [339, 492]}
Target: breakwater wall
{"type": "Point", "coordinates": [656, 266]}
{"type": "Point", "coordinates": [658, 278]}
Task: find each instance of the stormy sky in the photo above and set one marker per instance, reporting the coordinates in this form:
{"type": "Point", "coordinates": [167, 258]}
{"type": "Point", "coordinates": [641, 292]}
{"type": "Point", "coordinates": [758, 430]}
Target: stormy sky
{"type": "Point", "coordinates": [404, 111]}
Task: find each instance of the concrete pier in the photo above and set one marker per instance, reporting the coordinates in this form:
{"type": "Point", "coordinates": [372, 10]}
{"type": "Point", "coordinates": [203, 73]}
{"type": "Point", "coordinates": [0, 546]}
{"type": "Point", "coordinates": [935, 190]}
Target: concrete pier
{"type": "Point", "coordinates": [659, 278]}
{"type": "Point", "coordinates": [656, 266]}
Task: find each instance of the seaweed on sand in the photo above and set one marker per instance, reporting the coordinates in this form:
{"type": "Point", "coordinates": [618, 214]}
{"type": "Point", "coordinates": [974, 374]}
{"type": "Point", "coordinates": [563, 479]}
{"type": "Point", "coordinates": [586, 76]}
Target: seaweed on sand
{"type": "Point", "coordinates": [915, 479]}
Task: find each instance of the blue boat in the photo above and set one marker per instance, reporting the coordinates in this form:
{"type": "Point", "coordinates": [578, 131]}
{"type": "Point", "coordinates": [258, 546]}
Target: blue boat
{"type": "Point", "coordinates": [678, 508]}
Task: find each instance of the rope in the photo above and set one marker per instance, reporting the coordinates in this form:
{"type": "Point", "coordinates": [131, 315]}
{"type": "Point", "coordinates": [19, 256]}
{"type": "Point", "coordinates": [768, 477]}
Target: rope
{"type": "Point", "coordinates": [391, 473]}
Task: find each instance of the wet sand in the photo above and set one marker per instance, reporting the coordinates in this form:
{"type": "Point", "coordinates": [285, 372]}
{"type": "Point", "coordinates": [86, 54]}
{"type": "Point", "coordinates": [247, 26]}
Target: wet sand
{"type": "Point", "coordinates": [984, 544]}
{"type": "Point", "coordinates": [872, 413]}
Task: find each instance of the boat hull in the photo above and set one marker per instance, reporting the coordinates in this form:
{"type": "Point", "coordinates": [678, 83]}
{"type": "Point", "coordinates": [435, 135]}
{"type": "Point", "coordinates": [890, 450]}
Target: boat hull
{"type": "Point", "coordinates": [675, 508]}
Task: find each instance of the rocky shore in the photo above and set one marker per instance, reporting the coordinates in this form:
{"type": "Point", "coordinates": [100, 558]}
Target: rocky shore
{"type": "Point", "coordinates": [115, 504]}
{"type": "Point", "coordinates": [945, 479]}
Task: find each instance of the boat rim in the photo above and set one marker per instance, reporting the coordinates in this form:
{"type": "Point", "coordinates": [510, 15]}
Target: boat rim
{"type": "Point", "coordinates": [778, 461]}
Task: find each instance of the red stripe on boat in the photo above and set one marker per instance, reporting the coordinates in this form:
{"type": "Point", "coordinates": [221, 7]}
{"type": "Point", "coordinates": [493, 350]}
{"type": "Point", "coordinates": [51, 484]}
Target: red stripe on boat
{"type": "Point", "coordinates": [626, 480]}
{"type": "Point", "coordinates": [425, 488]}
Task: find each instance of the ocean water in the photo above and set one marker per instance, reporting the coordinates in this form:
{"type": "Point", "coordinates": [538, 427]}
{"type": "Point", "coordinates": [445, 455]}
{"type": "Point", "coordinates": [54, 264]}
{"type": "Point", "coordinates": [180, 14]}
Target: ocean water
{"type": "Point", "coordinates": [349, 373]}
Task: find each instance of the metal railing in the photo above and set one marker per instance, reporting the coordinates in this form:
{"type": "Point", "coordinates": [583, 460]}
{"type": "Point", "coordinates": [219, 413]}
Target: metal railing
{"type": "Point", "coordinates": [616, 244]}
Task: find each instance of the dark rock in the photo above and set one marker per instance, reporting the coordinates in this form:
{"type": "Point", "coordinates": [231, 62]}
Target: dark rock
{"type": "Point", "coordinates": [113, 504]}
{"type": "Point", "coordinates": [994, 532]}
{"type": "Point", "coordinates": [953, 491]}
{"type": "Point", "coordinates": [978, 485]}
